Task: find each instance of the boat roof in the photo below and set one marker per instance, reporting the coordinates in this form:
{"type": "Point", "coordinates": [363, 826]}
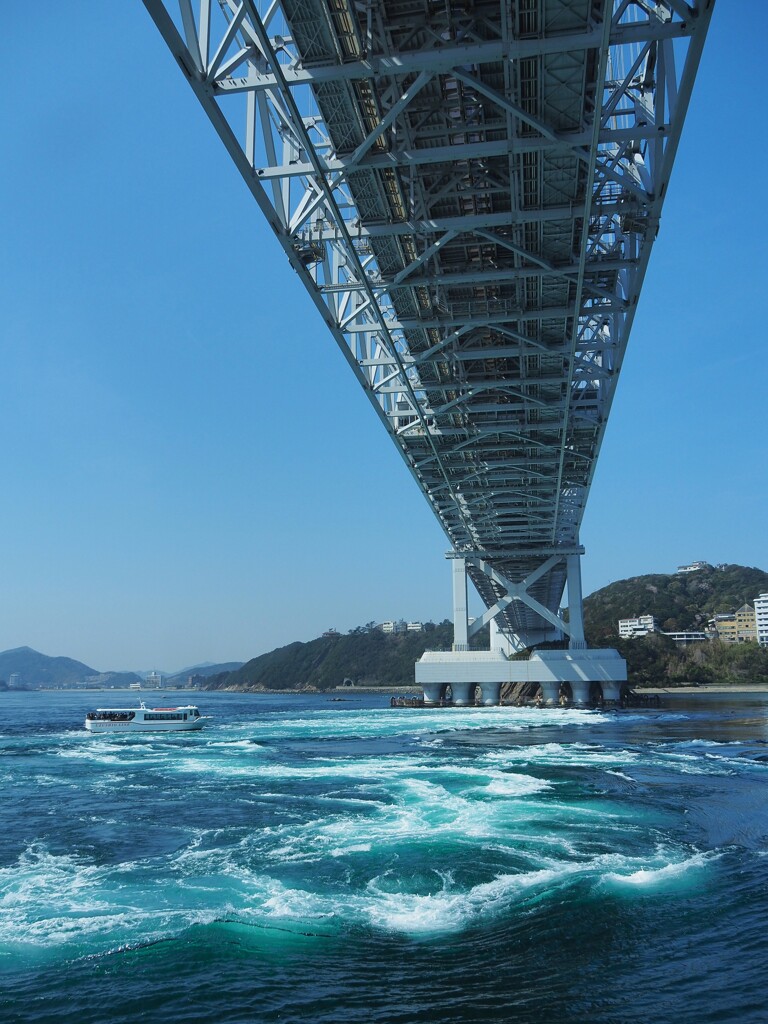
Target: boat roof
{"type": "Point", "coordinates": [143, 707]}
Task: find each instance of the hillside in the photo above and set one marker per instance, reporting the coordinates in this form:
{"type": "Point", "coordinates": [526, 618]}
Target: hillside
{"type": "Point", "coordinates": [684, 601]}
{"type": "Point", "coordinates": [366, 657]}
{"type": "Point", "coordinates": [201, 672]}
{"type": "Point", "coordinates": [35, 669]}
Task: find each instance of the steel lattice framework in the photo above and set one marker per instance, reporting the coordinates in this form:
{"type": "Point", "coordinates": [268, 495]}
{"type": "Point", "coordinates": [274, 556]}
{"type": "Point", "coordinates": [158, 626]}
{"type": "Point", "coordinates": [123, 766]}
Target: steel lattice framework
{"type": "Point", "coordinates": [470, 193]}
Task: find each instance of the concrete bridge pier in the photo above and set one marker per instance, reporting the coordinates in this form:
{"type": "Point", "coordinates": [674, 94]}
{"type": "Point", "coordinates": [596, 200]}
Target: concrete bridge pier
{"type": "Point", "coordinates": [550, 692]}
{"type": "Point", "coordinates": [462, 694]}
{"type": "Point", "coordinates": [491, 695]}
{"type": "Point", "coordinates": [611, 691]}
{"type": "Point", "coordinates": [433, 693]}
{"type": "Point", "coordinates": [580, 691]}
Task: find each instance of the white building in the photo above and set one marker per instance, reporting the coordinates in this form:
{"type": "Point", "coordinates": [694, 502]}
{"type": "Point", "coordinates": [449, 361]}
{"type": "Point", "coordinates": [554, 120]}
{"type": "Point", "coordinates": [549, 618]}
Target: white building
{"type": "Point", "coordinates": [687, 636]}
{"type": "Point", "coordinates": [640, 626]}
{"type": "Point", "coordinates": [392, 627]}
{"type": "Point", "coordinates": [415, 627]}
{"type": "Point", "coordinates": [761, 619]}
{"type": "Point", "coordinates": [693, 567]}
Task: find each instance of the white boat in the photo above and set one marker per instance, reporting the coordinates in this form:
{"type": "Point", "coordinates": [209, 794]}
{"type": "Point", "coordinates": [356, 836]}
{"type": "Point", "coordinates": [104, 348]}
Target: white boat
{"type": "Point", "coordinates": [144, 719]}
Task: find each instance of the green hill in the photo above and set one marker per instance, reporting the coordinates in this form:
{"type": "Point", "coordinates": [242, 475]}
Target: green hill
{"type": "Point", "coordinates": [679, 601]}
{"type": "Point", "coordinates": [365, 656]}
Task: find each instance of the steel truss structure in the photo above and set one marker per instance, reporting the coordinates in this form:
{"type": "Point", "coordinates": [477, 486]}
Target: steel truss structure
{"type": "Point", "coordinates": [470, 193]}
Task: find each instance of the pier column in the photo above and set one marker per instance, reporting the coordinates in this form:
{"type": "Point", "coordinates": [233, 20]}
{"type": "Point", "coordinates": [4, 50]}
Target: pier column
{"type": "Point", "coordinates": [460, 619]}
{"type": "Point", "coordinates": [461, 692]}
{"type": "Point", "coordinates": [611, 691]}
{"type": "Point", "coordinates": [575, 609]}
{"type": "Point", "coordinates": [432, 692]}
{"type": "Point", "coordinates": [551, 693]}
{"type": "Point", "coordinates": [491, 694]}
{"type": "Point", "coordinates": [580, 691]}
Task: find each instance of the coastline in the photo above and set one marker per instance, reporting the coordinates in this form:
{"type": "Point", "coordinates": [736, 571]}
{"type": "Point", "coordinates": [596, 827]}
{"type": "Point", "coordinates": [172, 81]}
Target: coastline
{"type": "Point", "coordinates": [704, 688]}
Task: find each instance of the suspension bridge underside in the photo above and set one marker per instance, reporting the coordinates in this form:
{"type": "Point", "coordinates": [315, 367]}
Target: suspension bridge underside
{"type": "Point", "coordinates": [470, 193]}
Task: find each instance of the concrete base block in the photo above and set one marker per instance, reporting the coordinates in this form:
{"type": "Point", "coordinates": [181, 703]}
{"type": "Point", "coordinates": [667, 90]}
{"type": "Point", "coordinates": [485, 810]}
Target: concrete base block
{"type": "Point", "coordinates": [432, 692]}
{"type": "Point", "coordinates": [580, 690]}
{"type": "Point", "coordinates": [550, 693]}
{"type": "Point", "coordinates": [461, 694]}
{"type": "Point", "coordinates": [612, 691]}
{"type": "Point", "coordinates": [491, 695]}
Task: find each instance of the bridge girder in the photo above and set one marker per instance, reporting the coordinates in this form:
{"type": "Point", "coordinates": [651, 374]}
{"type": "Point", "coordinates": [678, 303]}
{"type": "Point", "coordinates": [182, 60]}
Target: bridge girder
{"type": "Point", "coordinates": [470, 197]}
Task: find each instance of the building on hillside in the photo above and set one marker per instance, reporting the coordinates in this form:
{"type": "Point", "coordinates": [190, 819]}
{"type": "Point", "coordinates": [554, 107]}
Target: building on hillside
{"type": "Point", "coordinates": [693, 567]}
{"type": "Point", "coordinates": [641, 626]}
{"type": "Point", "coordinates": [737, 627]}
{"type": "Point", "coordinates": [688, 636]}
{"type": "Point", "coordinates": [761, 619]}
{"type": "Point", "coordinates": [393, 627]}
{"type": "Point", "coordinates": [332, 632]}
{"type": "Point", "coordinates": [14, 680]}
{"type": "Point", "coordinates": [415, 627]}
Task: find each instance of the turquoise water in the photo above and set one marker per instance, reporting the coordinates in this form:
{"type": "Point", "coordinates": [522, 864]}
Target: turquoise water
{"type": "Point", "coordinates": [310, 860]}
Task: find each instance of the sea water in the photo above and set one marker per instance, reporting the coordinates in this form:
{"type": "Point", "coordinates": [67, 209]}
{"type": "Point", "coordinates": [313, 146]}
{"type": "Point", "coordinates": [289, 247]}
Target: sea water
{"type": "Point", "coordinates": [304, 859]}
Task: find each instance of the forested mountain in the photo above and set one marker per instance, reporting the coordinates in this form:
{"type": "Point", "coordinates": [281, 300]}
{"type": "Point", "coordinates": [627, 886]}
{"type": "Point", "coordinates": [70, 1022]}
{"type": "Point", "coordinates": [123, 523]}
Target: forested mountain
{"type": "Point", "coordinates": [366, 656]}
{"type": "Point", "coordinates": [35, 669]}
{"type": "Point", "coordinates": [679, 601]}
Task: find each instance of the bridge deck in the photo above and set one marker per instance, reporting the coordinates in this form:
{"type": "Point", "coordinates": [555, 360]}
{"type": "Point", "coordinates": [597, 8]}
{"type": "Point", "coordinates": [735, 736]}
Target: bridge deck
{"type": "Point", "coordinates": [470, 194]}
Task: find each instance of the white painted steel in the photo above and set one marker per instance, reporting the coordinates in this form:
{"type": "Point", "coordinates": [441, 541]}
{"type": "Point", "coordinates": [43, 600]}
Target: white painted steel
{"type": "Point", "coordinates": [470, 194]}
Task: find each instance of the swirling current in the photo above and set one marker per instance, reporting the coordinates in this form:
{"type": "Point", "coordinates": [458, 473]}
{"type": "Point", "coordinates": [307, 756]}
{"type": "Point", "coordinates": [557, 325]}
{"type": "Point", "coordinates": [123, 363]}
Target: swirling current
{"type": "Point", "coordinates": [322, 861]}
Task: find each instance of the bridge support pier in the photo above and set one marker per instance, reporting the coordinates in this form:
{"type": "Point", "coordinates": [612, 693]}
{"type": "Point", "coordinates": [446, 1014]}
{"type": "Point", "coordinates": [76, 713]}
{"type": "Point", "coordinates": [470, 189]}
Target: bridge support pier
{"type": "Point", "coordinates": [433, 693]}
{"type": "Point", "coordinates": [491, 694]}
{"type": "Point", "coordinates": [550, 692]}
{"type": "Point", "coordinates": [461, 694]}
{"type": "Point", "coordinates": [580, 690]}
{"type": "Point", "coordinates": [611, 691]}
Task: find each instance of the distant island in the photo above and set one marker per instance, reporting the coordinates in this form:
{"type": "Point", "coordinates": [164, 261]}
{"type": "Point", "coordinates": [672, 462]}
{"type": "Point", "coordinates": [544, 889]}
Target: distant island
{"type": "Point", "coordinates": [24, 668]}
{"type": "Point", "coordinates": [383, 655]}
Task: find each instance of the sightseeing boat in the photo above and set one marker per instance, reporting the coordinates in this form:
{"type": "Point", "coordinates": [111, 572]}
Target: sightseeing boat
{"type": "Point", "coordinates": [144, 719]}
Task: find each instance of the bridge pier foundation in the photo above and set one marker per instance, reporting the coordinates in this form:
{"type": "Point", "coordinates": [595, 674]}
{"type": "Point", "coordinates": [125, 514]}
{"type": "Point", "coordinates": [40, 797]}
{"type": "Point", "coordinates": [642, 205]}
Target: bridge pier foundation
{"type": "Point", "coordinates": [461, 694]}
{"type": "Point", "coordinates": [611, 691]}
{"type": "Point", "coordinates": [491, 695]}
{"type": "Point", "coordinates": [580, 690]}
{"type": "Point", "coordinates": [550, 692]}
{"type": "Point", "coordinates": [433, 693]}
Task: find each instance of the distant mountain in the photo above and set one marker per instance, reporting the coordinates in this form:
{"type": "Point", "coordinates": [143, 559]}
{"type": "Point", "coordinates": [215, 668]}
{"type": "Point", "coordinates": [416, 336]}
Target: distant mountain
{"type": "Point", "coordinates": [35, 669]}
{"type": "Point", "coordinates": [679, 600]}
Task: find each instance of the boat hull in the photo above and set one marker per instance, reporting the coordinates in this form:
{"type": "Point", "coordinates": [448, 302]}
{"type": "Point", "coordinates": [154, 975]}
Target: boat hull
{"type": "Point", "coordinates": [100, 725]}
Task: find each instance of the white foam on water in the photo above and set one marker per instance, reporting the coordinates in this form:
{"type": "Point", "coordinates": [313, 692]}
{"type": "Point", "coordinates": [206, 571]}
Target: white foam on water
{"type": "Point", "coordinates": [663, 873]}
{"type": "Point", "coordinates": [562, 755]}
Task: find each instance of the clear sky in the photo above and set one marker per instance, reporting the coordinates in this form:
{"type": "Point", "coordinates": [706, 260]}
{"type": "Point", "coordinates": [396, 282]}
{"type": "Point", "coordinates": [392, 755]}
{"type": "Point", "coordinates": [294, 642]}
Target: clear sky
{"type": "Point", "coordinates": [188, 470]}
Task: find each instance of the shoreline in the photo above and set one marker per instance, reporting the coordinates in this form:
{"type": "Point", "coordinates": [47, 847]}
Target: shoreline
{"type": "Point", "coordinates": [705, 688]}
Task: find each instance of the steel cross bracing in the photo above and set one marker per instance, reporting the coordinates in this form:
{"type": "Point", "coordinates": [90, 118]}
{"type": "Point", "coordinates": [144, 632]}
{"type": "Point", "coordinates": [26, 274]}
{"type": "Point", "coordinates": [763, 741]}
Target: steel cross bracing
{"type": "Point", "coordinates": [469, 193]}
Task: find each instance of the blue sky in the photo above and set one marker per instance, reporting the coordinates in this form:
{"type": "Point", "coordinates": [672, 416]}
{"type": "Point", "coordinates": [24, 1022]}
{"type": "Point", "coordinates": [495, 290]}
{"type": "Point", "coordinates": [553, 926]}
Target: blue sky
{"type": "Point", "coordinates": [189, 471]}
